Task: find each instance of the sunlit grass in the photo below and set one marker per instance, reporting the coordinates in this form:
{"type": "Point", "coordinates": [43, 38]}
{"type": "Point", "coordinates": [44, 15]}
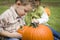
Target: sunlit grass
{"type": "Point", "coordinates": [3, 8]}
{"type": "Point", "coordinates": [55, 18]}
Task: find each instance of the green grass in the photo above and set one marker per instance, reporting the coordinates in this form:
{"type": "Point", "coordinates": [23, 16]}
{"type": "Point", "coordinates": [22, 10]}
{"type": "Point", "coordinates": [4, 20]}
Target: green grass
{"type": "Point", "coordinates": [3, 8]}
{"type": "Point", "coordinates": [50, 0]}
{"type": "Point", "coordinates": [54, 18]}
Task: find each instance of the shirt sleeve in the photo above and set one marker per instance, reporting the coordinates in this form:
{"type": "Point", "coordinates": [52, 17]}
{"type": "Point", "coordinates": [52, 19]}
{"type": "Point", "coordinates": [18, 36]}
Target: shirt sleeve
{"type": "Point", "coordinates": [1, 25]}
{"type": "Point", "coordinates": [44, 18]}
{"type": "Point", "coordinates": [3, 20]}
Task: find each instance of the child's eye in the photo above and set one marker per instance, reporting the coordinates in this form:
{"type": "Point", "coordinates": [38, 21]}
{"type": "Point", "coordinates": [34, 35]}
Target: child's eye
{"type": "Point", "coordinates": [18, 3]}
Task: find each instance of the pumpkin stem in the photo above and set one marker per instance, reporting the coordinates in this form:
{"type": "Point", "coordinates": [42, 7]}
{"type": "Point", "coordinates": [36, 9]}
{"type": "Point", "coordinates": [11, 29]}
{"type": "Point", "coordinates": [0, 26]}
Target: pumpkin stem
{"type": "Point", "coordinates": [34, 25]}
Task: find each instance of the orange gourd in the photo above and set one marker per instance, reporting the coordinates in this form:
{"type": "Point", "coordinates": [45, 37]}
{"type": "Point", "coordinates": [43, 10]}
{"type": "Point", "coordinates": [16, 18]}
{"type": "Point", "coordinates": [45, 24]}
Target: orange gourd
{"type": "Point", "coordinates": [40, 32]}
{"type": "Point", "coordinates": [47, 11]}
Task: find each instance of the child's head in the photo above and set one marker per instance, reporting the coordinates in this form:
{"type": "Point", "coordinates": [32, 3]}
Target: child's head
{"type": "Point", "coordinates": [23, 7]}
{"type": "Point", "coordinates": [20, 11]}
{"type": "Point", "coordinates": [22, 2]}
{"type": "Point", "coordinates": [35, 3]}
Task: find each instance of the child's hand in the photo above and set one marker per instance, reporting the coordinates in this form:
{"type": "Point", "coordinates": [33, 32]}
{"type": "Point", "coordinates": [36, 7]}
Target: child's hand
{"type": "Point", "coordinates": [15, 35]}
{"type": "Point", "coordinates": [35, 20]}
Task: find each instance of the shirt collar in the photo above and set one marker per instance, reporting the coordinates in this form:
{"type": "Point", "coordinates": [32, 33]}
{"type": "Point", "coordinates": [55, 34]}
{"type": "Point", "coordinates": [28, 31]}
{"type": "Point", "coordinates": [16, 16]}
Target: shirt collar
{"type": "Point", "coordinates": [14, 12]}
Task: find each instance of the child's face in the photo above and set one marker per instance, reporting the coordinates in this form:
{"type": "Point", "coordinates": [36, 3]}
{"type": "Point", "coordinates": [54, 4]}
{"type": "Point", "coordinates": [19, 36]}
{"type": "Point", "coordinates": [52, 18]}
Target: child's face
{"type": "Point", "coordinates": [28, 7]}
{"type": "Point", "coordinates": [22, 10]}
{"type": "Point", "coordinates": [35, 4]}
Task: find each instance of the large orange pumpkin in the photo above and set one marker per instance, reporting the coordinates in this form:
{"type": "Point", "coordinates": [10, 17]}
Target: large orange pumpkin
{"type": "Point", "coordinates": [40, 32]}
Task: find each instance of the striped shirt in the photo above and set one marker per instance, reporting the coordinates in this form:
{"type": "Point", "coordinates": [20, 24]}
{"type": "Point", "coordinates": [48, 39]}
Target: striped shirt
{"type": "Point", "coordinates": [10, 21]}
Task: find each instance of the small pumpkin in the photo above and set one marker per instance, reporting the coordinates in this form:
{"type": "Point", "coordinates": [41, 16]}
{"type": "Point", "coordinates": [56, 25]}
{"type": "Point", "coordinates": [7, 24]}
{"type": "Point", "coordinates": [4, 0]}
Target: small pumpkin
{"type": "Point", "coordinates": [39, 32]}
{"type": "Point", "coordinates": [47, 11]}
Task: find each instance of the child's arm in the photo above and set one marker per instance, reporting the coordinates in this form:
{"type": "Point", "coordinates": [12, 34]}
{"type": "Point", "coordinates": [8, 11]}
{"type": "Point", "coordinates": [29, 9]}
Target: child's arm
{"type": "Point", "coordinates": [44, 18]}
{"type": "Point", "coordinates": [3, 22]}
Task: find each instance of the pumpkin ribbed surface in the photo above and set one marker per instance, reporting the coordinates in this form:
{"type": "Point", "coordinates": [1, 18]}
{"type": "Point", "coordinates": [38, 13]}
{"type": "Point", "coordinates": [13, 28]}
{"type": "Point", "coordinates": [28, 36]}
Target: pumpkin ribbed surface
{"type": "Point", "coordinates": [41, 32]}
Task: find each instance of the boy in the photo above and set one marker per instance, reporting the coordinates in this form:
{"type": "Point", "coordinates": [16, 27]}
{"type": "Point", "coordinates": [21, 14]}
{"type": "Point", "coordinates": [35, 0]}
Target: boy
{"type": "Point", "coordinates": [12, 19]}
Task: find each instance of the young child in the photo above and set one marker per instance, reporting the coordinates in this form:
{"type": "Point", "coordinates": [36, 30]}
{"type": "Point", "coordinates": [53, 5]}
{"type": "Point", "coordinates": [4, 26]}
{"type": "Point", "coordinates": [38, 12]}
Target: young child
{"type": "Point", "coordinates": [12, 19]}
{"type": "Point", "coordinates": [39, 15]}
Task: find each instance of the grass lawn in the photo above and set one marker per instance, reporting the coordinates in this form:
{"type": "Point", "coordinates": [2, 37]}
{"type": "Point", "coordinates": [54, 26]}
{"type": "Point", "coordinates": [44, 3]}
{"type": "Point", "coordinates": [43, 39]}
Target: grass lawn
{"type": "Point", "coordinates": [54, 18]}
{"type": "Point", "coordinates": [50, 0]}
{"type": "Point", "coordinates": [3, 8]}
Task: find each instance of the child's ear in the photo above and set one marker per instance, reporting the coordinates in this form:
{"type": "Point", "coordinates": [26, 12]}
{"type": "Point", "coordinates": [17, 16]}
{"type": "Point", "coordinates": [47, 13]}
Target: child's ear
{"type": "Point", "coordinates": [18, 4]}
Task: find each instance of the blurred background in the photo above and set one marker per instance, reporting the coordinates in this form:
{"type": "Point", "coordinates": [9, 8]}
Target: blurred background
{"type": "Point", "coordinates": [54, 6]}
